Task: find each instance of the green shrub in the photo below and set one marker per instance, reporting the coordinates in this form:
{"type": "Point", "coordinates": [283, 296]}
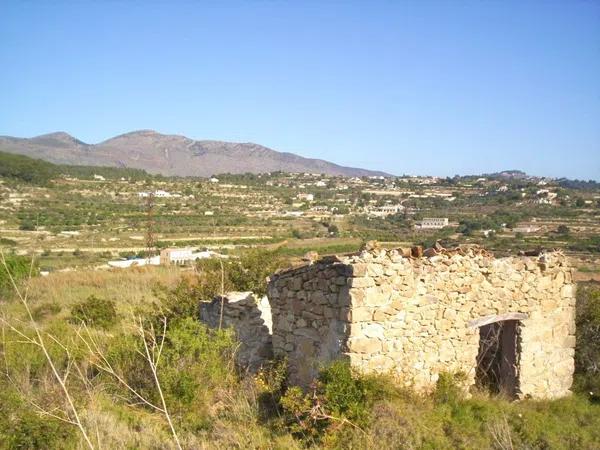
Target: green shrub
{"type": "Point", "coordinates": [18, 268]}
{"type": "Point", "coordinates": [298, 408]}
{"type": "Point", "coordinates": [8, 242]}
{"type": "Point", "coordinates": [247, 273]}
{"type": "Point", "coordinates": [587, 351]}
{"type": "Point", "coordinates": [96, 312]}
{"type": "Point", "coordinates": [195, 366]}
{"type": "Point", "coordinates": [449, 388]}
{"type": "Point", "coordinates": [254, 266]}
{"type": "Point", "coordinates": [346, 393]}
{"type": "Point", "coordinates": [340, 396]}
{"type": "Point", "coordinates": [45, 310]}
{"type": "Point", "coordinates": [21, 428]}
{"type": "Point", "coordinates": [27, 225]}
{"type": "Point", "coordinates": [184, 300]}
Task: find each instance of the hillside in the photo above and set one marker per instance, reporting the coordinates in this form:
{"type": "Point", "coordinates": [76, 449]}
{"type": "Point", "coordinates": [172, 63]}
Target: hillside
{"type": "Point", "coordinates": [170, 155]}
{"type": "Point", "coordinates": [39, 172]}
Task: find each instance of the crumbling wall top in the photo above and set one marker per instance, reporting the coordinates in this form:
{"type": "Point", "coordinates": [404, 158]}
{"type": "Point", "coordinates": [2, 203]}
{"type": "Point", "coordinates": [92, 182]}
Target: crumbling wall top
{"type": "Point", "coordinates": [433, 256]}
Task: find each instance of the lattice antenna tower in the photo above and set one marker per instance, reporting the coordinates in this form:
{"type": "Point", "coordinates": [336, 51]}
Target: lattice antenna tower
{"type": "Point", "coordinates": [150, 241]}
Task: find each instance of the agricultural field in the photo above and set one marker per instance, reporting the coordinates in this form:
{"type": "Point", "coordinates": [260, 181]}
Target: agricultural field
{"type": "Point", "coordinates": [73, 217]}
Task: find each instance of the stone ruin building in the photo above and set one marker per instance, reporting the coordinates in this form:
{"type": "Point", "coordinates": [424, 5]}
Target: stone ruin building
{"type": "Point", "coordinates": [506, 323]}
{"type": "Point", "coordinates": [250, 317]}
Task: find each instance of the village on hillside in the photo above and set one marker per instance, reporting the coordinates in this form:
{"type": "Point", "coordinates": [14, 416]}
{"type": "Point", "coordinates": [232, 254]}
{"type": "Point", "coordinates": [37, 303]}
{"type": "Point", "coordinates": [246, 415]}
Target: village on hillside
{"type": "Point", "coordinates": [114, 220]}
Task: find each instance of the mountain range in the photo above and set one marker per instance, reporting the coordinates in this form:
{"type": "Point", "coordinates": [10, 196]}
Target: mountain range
{"type": "Point", "coordinates": [170, 155]}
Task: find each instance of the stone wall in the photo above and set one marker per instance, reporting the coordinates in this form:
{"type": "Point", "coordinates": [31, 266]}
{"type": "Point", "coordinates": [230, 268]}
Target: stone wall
{"type": "Point", "coordinates": [309, 316]}
{"type": "Point", "coordinates": [250, 318]}
{"type": "Point", "coordinates": [416, 317]}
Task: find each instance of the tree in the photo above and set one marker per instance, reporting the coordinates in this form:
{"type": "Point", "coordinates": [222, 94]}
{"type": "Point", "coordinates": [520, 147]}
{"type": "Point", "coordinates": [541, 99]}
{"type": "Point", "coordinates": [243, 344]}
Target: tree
{"type": "Point", "coordinates": [333, 229]}
{"type": "Point", "coordinates": [26, 225]}
{"type": "Point", "coordinates": [563, 230]}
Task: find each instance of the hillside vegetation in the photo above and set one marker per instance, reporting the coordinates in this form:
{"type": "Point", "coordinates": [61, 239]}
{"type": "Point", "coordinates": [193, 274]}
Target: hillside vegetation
{"type": "Point", "coordinates": [38, 172]}
{"type": "Point", "coordinates": [27, 170]}
{"type": "Point", "coordinates": [106, 333]}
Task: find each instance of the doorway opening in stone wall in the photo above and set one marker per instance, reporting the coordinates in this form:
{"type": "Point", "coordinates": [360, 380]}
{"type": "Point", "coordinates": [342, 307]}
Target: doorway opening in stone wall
{"type": "Point", "coordinates": [498, 359]}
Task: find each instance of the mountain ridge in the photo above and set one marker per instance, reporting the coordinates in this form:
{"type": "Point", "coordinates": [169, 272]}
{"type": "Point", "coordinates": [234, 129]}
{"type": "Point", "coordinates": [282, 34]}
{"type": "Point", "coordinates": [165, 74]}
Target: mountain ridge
{"type": "Point", "coordinates": [171, 154]}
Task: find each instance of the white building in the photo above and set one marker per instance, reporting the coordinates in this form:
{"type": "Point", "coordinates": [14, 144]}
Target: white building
{"type": "Point", "coordinates": [214, 180]}
{"type": "Point", "coordinates": [99, 177]}
{"type": "Point", "coordinates": [158, 193]}
{"type": "Point", "coordinates": [432, 223]}
{"type": "Point", "coordinates": [167, 256]}
{"type": "Point", "coordinates": [135, 262]}
{"type": "Point", "coordinates": [306, 197]}
{"type": "Point", "coordinates": [526, 229]}
{"type": "Point", "coordinates": [386, 210]}
{"type": "Point", "coordinates": [181, 256]}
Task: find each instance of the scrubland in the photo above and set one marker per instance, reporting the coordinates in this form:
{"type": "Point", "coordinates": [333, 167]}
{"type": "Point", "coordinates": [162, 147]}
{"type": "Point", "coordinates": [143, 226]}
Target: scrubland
{"type": "Point", "coordinates": [106, 331]}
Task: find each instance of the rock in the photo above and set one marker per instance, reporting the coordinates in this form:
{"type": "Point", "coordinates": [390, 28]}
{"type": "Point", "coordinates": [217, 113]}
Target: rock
{"type": "Point", "coordinates": [417, 251]}
{"type": "Point", "coordinates": [364, 345]}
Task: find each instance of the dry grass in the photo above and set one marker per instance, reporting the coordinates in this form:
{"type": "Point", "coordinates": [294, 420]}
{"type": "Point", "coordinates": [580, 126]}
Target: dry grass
{"type": "Point", "coordinates": [130, 288]}
{"type": "Point", "coordinates": [118, 427]}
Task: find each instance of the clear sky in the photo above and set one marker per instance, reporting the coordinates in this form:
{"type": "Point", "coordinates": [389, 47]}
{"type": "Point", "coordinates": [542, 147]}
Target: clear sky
{"type": "Point", "coordinates": [419, 87]}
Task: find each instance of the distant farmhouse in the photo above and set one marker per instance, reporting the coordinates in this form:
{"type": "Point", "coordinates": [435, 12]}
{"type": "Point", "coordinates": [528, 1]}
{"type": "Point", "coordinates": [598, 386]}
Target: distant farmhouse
{"type": "Point", "coordinates": [306, 197]}
{"type": "Point", "coordinates": [158, 193]}
{"type": "Point", "coordinates": [168, 256]}
{"type": "Point", "coordinates": [180, 256]}
{"type": "Point", "coordinates": [386, 210]}
{"type": "Point", "coordinates": [432, 223]}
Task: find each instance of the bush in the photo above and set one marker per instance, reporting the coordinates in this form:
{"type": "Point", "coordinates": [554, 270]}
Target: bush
{"type": "Point", "coordinates": [563, 230]}
{"type": "Point", "coordinates": [21, 428]}
{"type": "Point", "coordinates": [45, 310]}
{"type": "Point", "coordinates": [18, 268]}
{"type": "Point", "coordinates": [8, 242]}
{"type": "Point", "coordinates": [96, 312]}
{"type": "Point", "coordinates": [253, 269]}
{"type": "Point", "coordinates": [26, 225]}
{"type": "Point", "coordinates": [195, 367]}
{"type": "Point", "coordinates": [346, 393]}
{"type": "Point", "coordinates": [449, 388]}
{"type": "Point", "coordinates": [587, 352]}
{"type": "Point", "coordinates": [340, 396]}
{"type": "Point", "coordinates": [248, 273]}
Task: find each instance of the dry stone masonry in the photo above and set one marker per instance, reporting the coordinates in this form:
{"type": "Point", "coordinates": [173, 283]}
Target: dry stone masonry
{"type": "Point", "coordinates": [250, 319]}
{"type": "Point", "coordinates": [414, 317]}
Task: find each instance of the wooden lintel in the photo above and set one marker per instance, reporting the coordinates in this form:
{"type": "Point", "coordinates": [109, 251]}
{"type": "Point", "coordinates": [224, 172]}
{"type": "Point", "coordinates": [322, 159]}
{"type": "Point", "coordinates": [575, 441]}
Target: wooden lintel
{"type": "Point", "coordinates": [496, 318]}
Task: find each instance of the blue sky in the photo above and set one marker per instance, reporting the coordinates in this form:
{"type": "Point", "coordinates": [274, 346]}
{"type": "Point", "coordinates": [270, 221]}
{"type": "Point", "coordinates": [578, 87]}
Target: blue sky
{"type": "Point", "coordinates": [423, 87]}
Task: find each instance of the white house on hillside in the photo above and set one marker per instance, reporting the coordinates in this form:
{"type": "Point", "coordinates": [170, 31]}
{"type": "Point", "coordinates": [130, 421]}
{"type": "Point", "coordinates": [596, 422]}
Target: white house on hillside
{"type": "Point", "coordinates": [432, 223]}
